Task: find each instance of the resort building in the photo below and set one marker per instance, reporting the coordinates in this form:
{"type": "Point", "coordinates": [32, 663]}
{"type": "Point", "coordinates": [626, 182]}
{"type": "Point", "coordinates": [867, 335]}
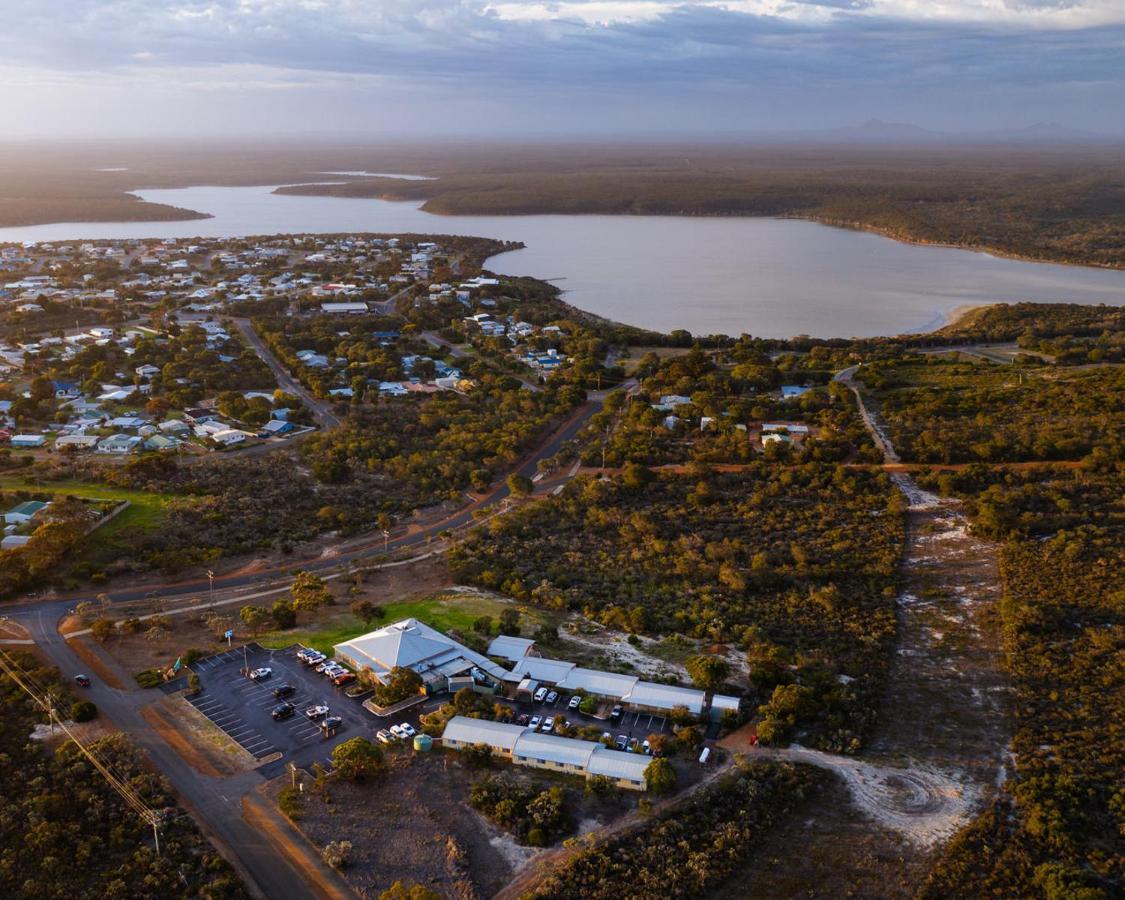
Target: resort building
{"type": "Point", "coordinates": [526, 747]}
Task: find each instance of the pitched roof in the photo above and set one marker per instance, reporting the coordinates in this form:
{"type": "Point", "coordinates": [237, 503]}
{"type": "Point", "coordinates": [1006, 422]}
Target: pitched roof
{"type": "Point", "coordinates": [552, 748]}
{"type": "Point", "coordinates": [666, 696]}
{"type": "Point", "coordinates": [616, 764]}
{"type": "Point", "coordinates": [498, 735]}
{"type": "Point", "coordinates": [508, 647]}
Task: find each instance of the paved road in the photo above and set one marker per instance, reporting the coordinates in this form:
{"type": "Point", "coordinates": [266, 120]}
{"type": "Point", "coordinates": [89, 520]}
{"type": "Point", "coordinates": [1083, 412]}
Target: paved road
{"type": "Point", "coordinates": [350, 551]}
{"type": "Point", "coordinates": [216, 803]}
{"type": "Point", "coordinates": [389, 306]}
{"type": "Point", "coordinates": [321, 411]}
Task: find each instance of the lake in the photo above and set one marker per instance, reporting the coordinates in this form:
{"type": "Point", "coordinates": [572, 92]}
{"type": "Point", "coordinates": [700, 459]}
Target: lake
{"type": "Point", "coordinates": [768, 277]}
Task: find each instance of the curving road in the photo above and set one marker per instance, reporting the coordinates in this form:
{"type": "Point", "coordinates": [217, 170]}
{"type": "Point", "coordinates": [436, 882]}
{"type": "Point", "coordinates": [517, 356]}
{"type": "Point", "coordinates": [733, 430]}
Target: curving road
{"type": "Point", "coordinates": [217, 803]}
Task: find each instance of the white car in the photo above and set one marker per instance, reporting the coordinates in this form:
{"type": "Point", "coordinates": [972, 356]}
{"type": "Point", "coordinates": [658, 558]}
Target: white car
{"type": "Point", "coordinates": [333, 670]}
{"type": "Point", "coordinates": [548, 724]}
{"type": "Point", "coordinates": [407, 730]}
{"type": "Point", "coordinates": [261, 674]}
{"type": "Point", "coordinates": [396, 730]}
{"type": "Point", "coordinates": [384, 736]}
{"type": "Point", "coordinates": [540, 695]}
{"type": "Point", "coordinates": [575, 702]}
{"type": "Point", "coordinates": [534, 723]}
{"type": "Point", "coordinates": [317, 711]}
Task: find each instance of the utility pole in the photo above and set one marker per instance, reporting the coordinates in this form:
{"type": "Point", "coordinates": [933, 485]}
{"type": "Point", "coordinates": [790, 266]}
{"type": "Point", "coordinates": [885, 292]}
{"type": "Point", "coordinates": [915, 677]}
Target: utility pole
{"type": "Point", "coordinates": [124, 789]}
{"type": "Point", "coordinates": [386, 542]}
{"type": "Point", "coordinates": [211, 584]}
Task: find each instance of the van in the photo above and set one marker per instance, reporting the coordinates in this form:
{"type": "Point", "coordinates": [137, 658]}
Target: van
{"type": "Point", "coordinates": [704, 756]}
{"type": "Point", "coordinates": [541, 695]}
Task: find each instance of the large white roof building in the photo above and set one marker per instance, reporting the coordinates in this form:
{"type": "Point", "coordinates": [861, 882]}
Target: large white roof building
{"type": "Point", "coordinates": [411, 644]}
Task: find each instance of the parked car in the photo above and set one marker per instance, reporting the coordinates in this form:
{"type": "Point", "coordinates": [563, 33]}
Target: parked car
{"type": "Point", "coordinates": [634, 746]}
{"type": "Point", "coordinates": [607, 738]}
{"type": "Point", "coordinates": [343, 678]}
{"type": "Point", "coordinates": [407, 730]}
{"type": "Point", "coordinates": [616, 714]}
{"type": "Point", "coordinates": [321, 666]}
{"type": "Point", "coordinates": [261, 674]}
{"type": "Point", "coordinates": [316, 711]}
{"type": "Point", "coordinates": [384, 736]}
{"type": "Point", "coordinates": [333, 670]}
{"type": "Point", "coordinates": [552, 696]}
{"type": "Point", "coordinates": [574, 703]}
{"type": "Point", "coordinates": [283, 690]}
{"type": "Point", "coordinates": [549, 724]}
{"type": "Point", "coordinates": [82, 680]}
{"type": "Point", "coordinates": [313, 658]}
{"type": "Point", "coordinates": [282, 711]}
{"type": "Point", "coordinates": [522, 719]}
{"type": "Point", "coordinates": [333, 722]}
{"type": "Point", "coordinates": [540, 695]}
{"type": "Point", "coordinates": [304, 652]}
{"type": "Point", "coordinates": [396, 731]}
{"type": "Point", "coordinates": [622, 741]}
{"type": "Point", "coordinates": [534, 723]}
{"type": "Point", "coordinates": [646, 747]}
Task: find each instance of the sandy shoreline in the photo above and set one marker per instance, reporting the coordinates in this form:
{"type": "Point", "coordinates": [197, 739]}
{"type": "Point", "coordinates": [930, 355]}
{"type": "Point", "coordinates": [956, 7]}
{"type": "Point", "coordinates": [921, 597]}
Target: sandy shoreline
{"type": "Point", "coordinates": [956, 314]}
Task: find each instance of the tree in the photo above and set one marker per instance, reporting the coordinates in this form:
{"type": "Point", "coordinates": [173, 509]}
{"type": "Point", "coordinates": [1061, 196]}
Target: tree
{"type": "Point", "coordinates": [357, 759]}
{"type": "Point", "coordinates": [402, 891]}
{"type": "Point", "coordinates": [284, 615]}
{"type": "Point", "coordinates": [660, 776]}
{"type": "Point", "coordinates": [477, 755]}
{"type": "Point", "coordinates": [483, 625]}
{"type": "Point", "coordinates": [83, 711]}
{"type": "Point", "coordinates": [101, 630]}
{"type": "Point", "coordinates": [520, 485]}
{"type": "Point", "coordinates": [254, 617]}
{"type": "Point", "coordinates": [367, 612]}
{"type": "Point", "coordinates": [510, 621]}
{"type": "Point", "coordinates": [309, 592]}
{"type": "Point", "coordinates": [337, 854]}
{"type": "Point", "coordinates": [401, 683]}
{"type": "Point", "coordinates": [707, 671]}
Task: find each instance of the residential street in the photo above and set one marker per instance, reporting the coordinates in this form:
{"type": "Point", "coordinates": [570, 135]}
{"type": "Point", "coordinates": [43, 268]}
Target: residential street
{"type": "Point", "coordinates": [322, 412]}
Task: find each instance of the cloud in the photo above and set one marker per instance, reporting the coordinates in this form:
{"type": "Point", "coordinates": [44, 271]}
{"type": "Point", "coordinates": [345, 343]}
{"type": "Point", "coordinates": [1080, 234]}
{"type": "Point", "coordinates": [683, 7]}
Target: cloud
{"type": "Point", "coordinates": [512, 55]}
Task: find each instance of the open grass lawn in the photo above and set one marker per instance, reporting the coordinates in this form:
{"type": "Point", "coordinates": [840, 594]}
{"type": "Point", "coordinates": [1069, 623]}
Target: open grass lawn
{"type": "Point", "coordinates": [145, 512]}
{"type": "Point", "coordinates": [444, 612]}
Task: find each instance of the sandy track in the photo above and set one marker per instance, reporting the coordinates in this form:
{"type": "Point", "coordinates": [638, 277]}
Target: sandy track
{"type": "Point", "coordinates": [923, 804]}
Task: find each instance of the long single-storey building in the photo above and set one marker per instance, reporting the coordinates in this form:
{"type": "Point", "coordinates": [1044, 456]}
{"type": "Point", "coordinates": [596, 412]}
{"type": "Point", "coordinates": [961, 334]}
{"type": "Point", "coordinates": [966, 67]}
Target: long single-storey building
{"type": "Point", "coordinates": [650, 696]}
{"type": "Point", "coordinates": [526, 747]}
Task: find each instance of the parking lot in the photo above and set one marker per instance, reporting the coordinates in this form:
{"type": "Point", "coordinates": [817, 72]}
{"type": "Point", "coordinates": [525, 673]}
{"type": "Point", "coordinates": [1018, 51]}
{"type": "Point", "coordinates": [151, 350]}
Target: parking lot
{"type": "Point", "coordinates": [242, 707]}
{"type": "Point", "coordinates": [632, 724]}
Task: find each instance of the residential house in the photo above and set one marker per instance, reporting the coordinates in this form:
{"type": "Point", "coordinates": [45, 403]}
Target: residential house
{"type": "Point", "coordinates": [22, 513]}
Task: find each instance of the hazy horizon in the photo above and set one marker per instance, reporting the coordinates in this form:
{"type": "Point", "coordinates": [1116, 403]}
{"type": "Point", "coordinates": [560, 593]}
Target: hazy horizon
{"type": "Point", "coordinates": [593, 69]}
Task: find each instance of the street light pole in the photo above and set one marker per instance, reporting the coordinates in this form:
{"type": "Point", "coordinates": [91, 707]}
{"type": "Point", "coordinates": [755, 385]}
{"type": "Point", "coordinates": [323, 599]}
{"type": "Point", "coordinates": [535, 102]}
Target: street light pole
{"type": "Point", "coordinates": [211, 585]}
{"type": "Point", "coordinates": [386, 542]}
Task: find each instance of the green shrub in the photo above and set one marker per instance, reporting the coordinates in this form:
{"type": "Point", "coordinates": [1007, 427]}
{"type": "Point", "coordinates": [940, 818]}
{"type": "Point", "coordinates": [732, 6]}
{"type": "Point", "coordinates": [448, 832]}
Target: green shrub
{"type": "Point", "coordinates": [83, 711]}
{"type": "Point", "coordinates": [150, 678]}
{"type": "Point", "coordinates": [289, 802]}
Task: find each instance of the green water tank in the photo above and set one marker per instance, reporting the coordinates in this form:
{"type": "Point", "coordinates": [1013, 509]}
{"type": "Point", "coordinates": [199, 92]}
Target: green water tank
{"type": "Point", "coordinates": [423, 742]}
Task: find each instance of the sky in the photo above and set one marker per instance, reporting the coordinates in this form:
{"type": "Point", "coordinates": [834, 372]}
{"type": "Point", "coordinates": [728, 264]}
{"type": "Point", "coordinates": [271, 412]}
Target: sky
{"type": "Point", "coordinates": [511, 68]}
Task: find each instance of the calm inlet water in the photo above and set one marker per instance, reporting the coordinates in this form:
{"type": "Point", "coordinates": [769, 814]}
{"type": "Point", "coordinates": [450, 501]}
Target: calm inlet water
{"type": "Point", "coordinates": [769, 277]}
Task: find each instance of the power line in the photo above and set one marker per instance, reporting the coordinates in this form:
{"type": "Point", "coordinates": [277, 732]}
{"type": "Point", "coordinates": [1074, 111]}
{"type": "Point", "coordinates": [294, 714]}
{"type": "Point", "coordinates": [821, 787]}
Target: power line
{"type": "Point", "coordinates": [126, 791]}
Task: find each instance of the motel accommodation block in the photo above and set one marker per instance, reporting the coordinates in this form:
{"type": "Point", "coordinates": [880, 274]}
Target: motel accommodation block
{"type": "Point", "coordinates": [527, 747]}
